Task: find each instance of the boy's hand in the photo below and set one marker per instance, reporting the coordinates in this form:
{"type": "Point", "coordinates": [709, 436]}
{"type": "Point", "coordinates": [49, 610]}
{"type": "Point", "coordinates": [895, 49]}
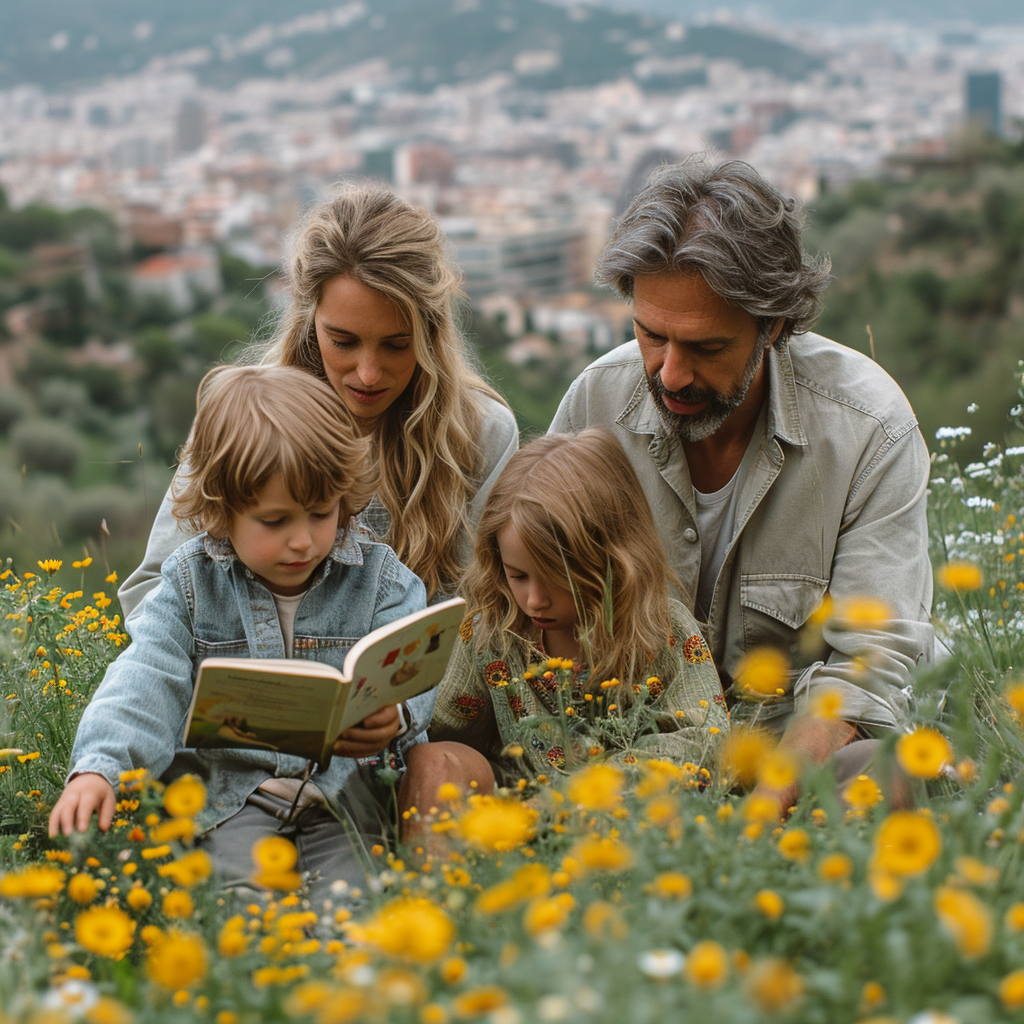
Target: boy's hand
{"type": "Point", "coordinates": [371, 735]}
{"type": "Point", "coordinates": [83, 795]}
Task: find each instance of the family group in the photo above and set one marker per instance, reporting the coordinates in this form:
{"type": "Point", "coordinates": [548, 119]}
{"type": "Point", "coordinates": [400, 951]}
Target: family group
{"type": "Point", "coordinates": [702, 490]}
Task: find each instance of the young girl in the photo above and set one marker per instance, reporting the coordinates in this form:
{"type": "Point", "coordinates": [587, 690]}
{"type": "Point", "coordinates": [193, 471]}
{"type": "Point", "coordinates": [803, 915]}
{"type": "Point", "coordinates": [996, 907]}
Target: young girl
{"type": "Point", "coordinates": [567, 564]}
{"type": "Point", "coordinates": [375, 291]}
{"type": "Point", "coordinates": [277, 470]}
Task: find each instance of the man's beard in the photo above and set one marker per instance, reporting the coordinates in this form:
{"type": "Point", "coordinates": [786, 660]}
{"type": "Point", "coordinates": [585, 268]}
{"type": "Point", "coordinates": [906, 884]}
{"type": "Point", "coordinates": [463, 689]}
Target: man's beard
{"type": "Point", "coordinates": [720, 406]}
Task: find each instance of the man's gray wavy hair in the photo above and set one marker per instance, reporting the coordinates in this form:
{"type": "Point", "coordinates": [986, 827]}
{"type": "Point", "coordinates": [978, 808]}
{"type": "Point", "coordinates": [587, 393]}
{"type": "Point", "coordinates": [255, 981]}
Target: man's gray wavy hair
{"type": "Point", "coordinates": [726, 222]}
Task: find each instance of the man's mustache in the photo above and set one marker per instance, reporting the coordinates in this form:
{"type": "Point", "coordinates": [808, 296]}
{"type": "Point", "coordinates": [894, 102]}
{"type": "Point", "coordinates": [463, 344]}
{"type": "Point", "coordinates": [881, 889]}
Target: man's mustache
{"type": "Point", "coordinates": [690, 395]}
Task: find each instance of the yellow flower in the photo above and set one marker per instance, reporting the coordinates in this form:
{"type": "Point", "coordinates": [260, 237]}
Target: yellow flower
{"type": "Point", "coordinates": [774, 985]}
{"type": "Point", "coordinates": [907, 843]}
{"type": "Point", "coordinates": [50, 566]}
{"type": "Point", "coordinates": [966, 918]}
{"type": "Point", "coordinates": [770, 904]}
{"type": "Point", "coordinates": [975, 872]}
{"type": "Point", "coordinates": [233, 939]}
{"type": "Point", "coordinates": [185, 797]}
{"type": "Point", "coordinates": [177, 903]}
{"type": "Point", "coordinates": [862, 613]}
{"type": "Point", "coordinates": [1011, 990]}
{"type": "Point", "coordinates": [707, 965]}
{"type": "Point", "coordinates": [495, 824]}
{"type": "Point", "coordinates": [671, 885]}
{"type": "Point", "coordinates": [407, 928]}
{"type": "Point", "coordinates": [778, 771]}
{"type": "Point", "coordinates": [960, 576]}
{"type": "Point", "coordinates": [760, 809]}
{"type": "Point", "coordinates": [138, 898]}
{"type": "Point", "coordinates": [597, 787]}
{"type": "Point", "coordinates": [1014, 694]}
{"type": "Point", "coordinates": [862, 793]}
{"type": "Point", "coordinates": [743, 752]}
{"type": "Point", "coordinates": [275, 857]}
{"type": "Point", "coordinates": [82, 888]}
{"type": "Point", "coordinates": [478, 1001]}
{"type": "Point", "coordinates": [108, 1011]}
{"type": "Point", "coordinates": [192, 867]}
{"type": "Point", "coordinates": [112, 578]}
{"type": "Point", "coordinates": [1014, 920]}
{"type": "Point", "coordinates": [108, 931]}
{"type": "Point", "coordinates": [36, 881]}
{"type": "Point", "coordinates": [547, 913]}
{"type": "Point", "coordinates": [601, 854]}
{"type": "Point", "coordinates": [836, 867]}
{"type": "Point", "coordinates": [827, 703]}
{"type": "Point", "coordinates": [83, 564]}
{"type": "Point", "coordinates": [453, 970]}
{"type": "Point", "coordinates": [795, 844]}
{"type": "Point", "coordinates": [887, 887]}
{"type": "Point", "coordinates": [924, 753]}
{"type": "Point", "coordinates": [433, 1013]}
{"type": "Point", "coordinates": [658, 776]}
{"type": "Point", "coordinates": [177, 960]}
{"type": "Point", "coordinates": [603, 920]}
{"type": "Point", "coordinates": [763, 671]}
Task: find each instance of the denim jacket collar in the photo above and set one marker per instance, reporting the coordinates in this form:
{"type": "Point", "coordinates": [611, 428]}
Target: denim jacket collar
{"type": "Point", "coordinates": [641, 414]}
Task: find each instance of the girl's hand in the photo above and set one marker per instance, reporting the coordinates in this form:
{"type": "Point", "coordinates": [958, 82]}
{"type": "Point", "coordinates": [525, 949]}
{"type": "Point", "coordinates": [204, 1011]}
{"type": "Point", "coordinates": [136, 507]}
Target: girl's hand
{"type": "Point", "coordinates": [83, 795]}
{"type": "Point", "coordinates": [371, 735]}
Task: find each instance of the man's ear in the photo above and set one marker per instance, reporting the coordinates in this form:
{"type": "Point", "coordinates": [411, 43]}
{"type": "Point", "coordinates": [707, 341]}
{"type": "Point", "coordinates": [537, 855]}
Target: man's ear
{"type": "Point", "coordinates": [776, 330]}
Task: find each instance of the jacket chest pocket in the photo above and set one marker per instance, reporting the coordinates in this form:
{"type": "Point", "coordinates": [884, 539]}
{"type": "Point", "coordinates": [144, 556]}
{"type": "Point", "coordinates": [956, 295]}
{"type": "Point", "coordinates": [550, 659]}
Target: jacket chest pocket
{"type": "Point", "coordinates": [330, 650]}
{"type": "Point", "coordinates": [774, 607]}
{"type": "Point", "coordinates": [220, 649]}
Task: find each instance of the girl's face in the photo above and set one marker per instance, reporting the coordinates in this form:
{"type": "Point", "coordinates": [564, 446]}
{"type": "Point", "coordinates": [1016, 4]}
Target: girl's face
{"type": "Point", "coordinates": [366, 346]}
{"type": "Point", "coordinates": [551, 609]}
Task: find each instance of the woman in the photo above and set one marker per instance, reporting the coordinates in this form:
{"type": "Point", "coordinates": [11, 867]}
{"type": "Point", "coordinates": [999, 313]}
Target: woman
{"type": "Point", "coordinates": [374, 288]}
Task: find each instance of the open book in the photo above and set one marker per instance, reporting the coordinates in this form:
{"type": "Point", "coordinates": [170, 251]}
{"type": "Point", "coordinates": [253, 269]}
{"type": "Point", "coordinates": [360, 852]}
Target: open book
{"type": "Point", "coordinates": [298, 706]}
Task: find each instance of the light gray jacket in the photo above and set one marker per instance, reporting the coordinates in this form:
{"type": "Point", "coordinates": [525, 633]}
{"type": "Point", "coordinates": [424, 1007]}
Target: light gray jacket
{"type": "Point", "coordinates": [835, 502]}
{"type": "Point", "coordinates": [499, 440]}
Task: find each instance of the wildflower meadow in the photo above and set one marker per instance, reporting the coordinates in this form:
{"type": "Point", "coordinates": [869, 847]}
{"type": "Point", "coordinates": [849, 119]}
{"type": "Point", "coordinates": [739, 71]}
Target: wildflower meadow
{"type": "Point", "coordinates": [612, 889]}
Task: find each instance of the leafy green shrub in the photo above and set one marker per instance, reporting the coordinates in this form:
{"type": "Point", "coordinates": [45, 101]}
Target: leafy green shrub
{"type": "Point", "coordinates": [14, 405]}
{"type": "Point", "coordinates": [46, 446]}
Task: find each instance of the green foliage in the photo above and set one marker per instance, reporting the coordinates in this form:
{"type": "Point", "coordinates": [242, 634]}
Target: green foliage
{"type": "Point", "coordinates": [46, 446]}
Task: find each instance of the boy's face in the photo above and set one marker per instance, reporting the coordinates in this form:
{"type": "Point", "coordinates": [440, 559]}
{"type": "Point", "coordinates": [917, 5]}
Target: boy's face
{"type": "Point", "coordinates": [282, 542]}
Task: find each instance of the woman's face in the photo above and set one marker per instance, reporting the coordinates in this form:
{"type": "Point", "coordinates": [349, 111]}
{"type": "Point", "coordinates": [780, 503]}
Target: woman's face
{"type": "Point", "coordinates": [366, 346]}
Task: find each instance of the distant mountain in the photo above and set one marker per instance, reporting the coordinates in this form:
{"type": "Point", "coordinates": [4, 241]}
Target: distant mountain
{"type": "Point", "coordinates": [839, 12]}
{"type": "Point", "coordinates": [57, 44]}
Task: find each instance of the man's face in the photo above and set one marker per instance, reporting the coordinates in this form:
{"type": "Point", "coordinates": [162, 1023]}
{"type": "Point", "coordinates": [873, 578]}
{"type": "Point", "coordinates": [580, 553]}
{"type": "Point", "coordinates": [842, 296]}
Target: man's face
{"type": "Point", "coordinates": [702, 356]}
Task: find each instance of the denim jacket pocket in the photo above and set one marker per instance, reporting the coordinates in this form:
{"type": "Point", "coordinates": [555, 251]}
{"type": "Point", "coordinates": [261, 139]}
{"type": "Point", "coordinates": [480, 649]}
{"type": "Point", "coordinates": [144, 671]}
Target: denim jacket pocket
{"type": "Point", "coordinates": [331, 650]}
{"type": "Point", "coordinates": [220, 649]}
{"type": "Point", "coordinates": [776, 605]}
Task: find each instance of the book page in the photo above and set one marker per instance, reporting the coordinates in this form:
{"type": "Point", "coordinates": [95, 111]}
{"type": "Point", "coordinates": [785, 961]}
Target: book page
{"type": "Point", "coordinates": [400, 660]}
{"type": "Point", "coordinates": [250, 704]}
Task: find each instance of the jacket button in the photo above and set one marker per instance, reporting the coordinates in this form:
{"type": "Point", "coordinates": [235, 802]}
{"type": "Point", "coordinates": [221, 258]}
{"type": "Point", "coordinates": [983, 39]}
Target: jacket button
{"type": "Point", "coordinates": [690, 534]}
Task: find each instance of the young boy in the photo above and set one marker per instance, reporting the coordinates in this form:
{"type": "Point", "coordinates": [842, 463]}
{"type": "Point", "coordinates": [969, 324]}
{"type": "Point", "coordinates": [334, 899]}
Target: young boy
{"type": "Point", "coordinates": [276, 470]}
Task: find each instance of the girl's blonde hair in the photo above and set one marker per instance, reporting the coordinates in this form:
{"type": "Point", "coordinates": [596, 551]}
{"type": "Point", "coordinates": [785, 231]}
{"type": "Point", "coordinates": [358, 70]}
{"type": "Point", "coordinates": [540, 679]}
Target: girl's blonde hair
{"type": "Point", "coordinates": [253, 422]}
{"type": "Point", "coordinates": [579, 510]}
{"type": "Point", "coordinates": [425, 445]}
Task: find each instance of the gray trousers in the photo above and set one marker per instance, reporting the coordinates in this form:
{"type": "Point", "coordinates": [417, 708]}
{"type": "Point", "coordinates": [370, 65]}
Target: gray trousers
{"type": "Point", "coordinates": [330, 851]}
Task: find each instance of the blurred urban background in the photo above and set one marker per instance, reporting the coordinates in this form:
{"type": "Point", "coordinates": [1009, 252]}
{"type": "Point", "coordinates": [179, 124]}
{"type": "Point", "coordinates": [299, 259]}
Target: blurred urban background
{"type": "Point", "coordinates": [155, 157]}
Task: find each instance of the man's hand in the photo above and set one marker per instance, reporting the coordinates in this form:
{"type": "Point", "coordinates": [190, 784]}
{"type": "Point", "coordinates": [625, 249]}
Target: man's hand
{"type": "Point", "coordinates": [808, 740]}
{"type": "Point", "coordinates": [83, 795]}
{"type": "Point", "coordinates": [371, 735]}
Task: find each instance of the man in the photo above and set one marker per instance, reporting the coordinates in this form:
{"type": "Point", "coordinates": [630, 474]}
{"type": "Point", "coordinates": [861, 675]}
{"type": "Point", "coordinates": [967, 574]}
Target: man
{"type": "Point", "coordinates": [780, 466]}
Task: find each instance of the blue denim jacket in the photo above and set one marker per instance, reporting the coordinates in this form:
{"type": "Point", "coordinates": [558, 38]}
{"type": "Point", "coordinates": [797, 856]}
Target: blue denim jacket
{"type": "Point", "coordinates": [208, 603]}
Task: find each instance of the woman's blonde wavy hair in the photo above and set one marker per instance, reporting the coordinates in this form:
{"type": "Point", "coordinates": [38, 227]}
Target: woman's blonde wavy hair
{"type": "Point", "coordinates": [253, 422]}
{"type": "Point", "coordinates": [425, 445]}
{"type": "Point", "coordinates": [579, 510]}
